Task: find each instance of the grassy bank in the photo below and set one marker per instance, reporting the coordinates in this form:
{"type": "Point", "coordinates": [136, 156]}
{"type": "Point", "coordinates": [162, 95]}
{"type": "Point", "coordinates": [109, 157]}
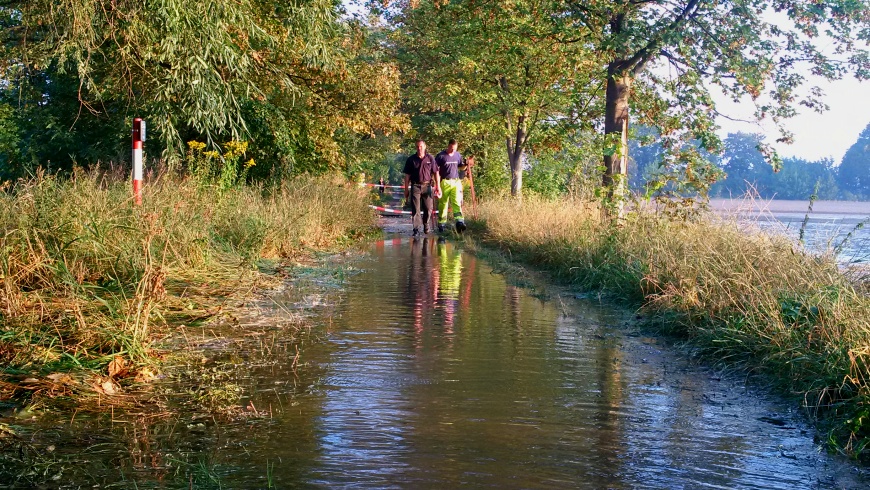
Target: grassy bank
{"type": "Point", "coordinates": [90, 281]}
{"type": "Point", "coordinates": [747, 299]}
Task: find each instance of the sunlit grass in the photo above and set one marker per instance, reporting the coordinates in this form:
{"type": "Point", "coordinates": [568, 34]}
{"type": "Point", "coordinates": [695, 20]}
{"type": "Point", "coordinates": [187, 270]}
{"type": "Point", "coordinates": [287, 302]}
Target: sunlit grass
{"type": "Point", "coordinates": [88, 278]}
{"type": "Point", "coordinates": [748, 298]}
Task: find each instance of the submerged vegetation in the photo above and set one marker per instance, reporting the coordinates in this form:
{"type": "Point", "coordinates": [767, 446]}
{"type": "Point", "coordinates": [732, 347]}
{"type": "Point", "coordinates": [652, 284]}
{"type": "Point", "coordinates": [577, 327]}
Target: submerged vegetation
{"type": "Point", "coordinates": [746, 298]}
{"type": "Point", "coordinates": [91, 281]}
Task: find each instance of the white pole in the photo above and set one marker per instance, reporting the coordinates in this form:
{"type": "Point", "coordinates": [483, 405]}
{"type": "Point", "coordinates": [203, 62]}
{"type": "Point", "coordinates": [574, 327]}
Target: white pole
{"type": "Point", "coordinates": [138, 126]}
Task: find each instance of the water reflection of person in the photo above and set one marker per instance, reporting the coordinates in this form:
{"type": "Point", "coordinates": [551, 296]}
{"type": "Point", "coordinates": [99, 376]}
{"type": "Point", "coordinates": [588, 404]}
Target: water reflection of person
{"type": "Point", "coordinates": [423, 279]}
{"type": "Point", "coordinates": [450, 265]}
{"type": "Point", "coordinates": [437, 288]}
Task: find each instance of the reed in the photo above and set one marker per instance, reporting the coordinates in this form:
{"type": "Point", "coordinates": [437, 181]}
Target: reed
{"type": "Point", "coordinates": [86, 278]}
{"type": "Point", "coordinates": [747, 298]}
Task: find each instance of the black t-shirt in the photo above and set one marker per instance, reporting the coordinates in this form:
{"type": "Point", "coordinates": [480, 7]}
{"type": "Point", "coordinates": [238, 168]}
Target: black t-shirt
{"type": "Point", "coordinates": [448, 165]}
{"type": "Point", "coordinates": [419, 169]}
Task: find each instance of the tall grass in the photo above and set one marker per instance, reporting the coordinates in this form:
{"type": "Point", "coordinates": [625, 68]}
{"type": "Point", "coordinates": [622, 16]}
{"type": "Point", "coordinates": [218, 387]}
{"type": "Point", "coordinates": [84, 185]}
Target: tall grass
{"type": "Point", "coordinates": [85, 276]}
{"type": "Point", "coordinates": [747, 298]}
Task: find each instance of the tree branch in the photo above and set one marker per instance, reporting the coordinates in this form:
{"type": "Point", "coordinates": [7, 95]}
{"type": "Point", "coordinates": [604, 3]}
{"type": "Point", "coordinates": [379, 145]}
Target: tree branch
{"type": "Point", "coordinates": [637, 62]}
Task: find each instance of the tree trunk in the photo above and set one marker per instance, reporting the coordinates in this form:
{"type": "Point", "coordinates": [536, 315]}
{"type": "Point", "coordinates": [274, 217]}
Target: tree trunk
{"type": "Point", "coordinates": [516, 164]}
{"type": "Point", "coordinates": [515, 151]}
{"type": "Point", "coordinates": [616, 134]}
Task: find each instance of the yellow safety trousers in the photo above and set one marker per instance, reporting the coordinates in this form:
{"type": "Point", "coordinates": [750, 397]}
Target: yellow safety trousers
{"type": "Point", "coordinates": [451, 194]}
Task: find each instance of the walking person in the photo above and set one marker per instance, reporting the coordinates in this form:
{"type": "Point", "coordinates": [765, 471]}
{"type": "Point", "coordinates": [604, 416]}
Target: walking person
{"type": "Point", "coordinates": [381, 186]}
{"type": "Point", "coordinates": [449, 162]}
{"type": "Point", "coordinates": [420, 171]}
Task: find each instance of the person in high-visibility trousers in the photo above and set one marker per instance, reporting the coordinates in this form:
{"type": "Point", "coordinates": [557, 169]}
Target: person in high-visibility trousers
{"type": "Point", "coordinates": [449, 162]}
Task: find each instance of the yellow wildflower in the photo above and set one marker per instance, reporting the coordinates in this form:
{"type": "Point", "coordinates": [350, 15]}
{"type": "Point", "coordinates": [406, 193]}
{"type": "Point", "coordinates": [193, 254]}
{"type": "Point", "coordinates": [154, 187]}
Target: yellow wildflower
{"type": "Point", "coordinates": [236, 149]}
{"type": "Point", "coordinates": [195, 145]}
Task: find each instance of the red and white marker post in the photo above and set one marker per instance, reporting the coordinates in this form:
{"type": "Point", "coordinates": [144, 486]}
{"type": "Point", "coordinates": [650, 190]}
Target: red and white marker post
{"type": "Point", "coordinates": [138, 138]}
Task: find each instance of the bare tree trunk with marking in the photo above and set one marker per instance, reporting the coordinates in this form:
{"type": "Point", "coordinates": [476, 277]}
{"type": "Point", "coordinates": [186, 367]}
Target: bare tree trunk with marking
{"type": "Point", "coordinates": [616, 134]}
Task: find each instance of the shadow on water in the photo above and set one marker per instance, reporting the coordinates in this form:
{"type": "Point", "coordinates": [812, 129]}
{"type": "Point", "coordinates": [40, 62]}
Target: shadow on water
{"type": "Point", "coordinates": [433, 371]}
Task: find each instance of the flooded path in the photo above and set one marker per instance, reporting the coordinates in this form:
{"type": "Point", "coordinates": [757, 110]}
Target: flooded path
{"type": "Point", "coordinates": [434, 371]}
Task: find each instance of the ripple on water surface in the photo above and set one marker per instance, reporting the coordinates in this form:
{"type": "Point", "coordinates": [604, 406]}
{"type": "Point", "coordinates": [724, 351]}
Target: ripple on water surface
{"type": "Point", "coordinates": [443, 374]}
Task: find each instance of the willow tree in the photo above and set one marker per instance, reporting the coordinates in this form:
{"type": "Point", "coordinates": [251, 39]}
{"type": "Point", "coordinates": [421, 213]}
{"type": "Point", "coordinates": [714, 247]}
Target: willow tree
{"type": "Point", "coordinates": [202, 68]}
{"type": "Point", "coordinates": [746, 47]}
{"type": "Point", "coordinates": [343, 112]}
{"type": "Point", "coordinates": [490, 62]}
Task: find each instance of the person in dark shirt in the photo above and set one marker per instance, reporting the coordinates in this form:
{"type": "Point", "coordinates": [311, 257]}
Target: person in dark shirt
{"type": "Point", "coordinates": [449, 163]}
{"type": "Point", "coordinates": [420, 172]}
{"type": "Point", "coordinates": [381, 186]}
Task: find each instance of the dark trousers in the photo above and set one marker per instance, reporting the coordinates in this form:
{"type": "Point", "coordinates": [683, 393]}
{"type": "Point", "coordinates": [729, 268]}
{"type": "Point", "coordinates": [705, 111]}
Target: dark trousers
{"type": "Point", "coordinates": [421, 204]}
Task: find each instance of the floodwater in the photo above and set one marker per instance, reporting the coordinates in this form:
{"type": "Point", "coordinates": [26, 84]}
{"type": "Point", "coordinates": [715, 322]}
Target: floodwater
{"type": "Point", "coordinates": [841, 226]}
{"type": "Point", "coordinates": [435, 371]}
{"type": "Point", "coordinates": [847, 235]}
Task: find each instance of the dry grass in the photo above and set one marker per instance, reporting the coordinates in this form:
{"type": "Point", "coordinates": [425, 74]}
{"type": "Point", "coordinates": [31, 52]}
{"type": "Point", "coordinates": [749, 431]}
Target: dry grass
{"type": "Point", "coordinates": [87, 277]}
{"type": "Point", "coordinates": [748, 298]}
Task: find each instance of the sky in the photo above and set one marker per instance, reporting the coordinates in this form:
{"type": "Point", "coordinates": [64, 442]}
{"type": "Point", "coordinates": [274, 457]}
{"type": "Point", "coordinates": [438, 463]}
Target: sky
{"type": "Point", "coordinates": [816, 136]}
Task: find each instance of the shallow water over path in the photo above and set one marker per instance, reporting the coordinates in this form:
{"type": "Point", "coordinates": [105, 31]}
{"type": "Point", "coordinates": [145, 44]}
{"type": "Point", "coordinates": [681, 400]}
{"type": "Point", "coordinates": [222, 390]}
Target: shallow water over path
{"type": "Point", "coordinates": [436, 372]}
{"type": "Point", "coordinates": [443, 374]}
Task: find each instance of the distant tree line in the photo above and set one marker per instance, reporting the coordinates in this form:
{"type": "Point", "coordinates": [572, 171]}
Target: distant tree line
{"type": "Point", "coordinates": [746, 169]}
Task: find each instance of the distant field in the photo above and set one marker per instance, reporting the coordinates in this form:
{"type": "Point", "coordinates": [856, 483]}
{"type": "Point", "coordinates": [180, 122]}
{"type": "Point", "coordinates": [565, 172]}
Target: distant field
{"type": "Point", "coordinates": [777, 206]}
